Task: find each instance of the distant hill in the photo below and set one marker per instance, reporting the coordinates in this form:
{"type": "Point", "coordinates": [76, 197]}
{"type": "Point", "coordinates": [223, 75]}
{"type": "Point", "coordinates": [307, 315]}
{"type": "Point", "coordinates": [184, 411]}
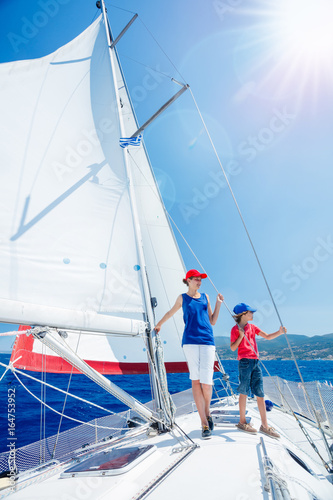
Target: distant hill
{"type": "Point", "coordinates": [318, 346]}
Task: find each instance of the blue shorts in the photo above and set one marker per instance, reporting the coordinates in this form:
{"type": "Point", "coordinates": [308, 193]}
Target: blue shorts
{"type": "Point", "coordinates": [250, 377]}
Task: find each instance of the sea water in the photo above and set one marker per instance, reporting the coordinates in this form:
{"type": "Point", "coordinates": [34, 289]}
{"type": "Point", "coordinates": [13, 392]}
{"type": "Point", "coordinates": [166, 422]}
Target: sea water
{"type": "Point", "coordinates": [22, 411]}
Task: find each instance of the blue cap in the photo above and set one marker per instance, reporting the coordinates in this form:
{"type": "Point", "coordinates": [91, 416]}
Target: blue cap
{"type": "Point", "coordinates": [240, 308]}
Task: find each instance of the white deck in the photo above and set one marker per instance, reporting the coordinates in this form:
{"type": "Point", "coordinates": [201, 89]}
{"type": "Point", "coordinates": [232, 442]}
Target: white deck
{"type": "Point", "coordinates": [229, 465]}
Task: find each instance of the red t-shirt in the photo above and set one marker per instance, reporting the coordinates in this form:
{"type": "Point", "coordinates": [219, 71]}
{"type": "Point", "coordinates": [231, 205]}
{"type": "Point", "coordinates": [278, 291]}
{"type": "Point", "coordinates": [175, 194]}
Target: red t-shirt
{"type": "Point", "coordinates": [244, 349]}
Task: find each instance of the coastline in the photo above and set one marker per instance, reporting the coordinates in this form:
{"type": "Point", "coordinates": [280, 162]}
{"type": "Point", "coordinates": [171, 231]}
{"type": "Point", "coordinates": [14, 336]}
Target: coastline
{"type": "Point", "coordinates": [318, 347]}
{"type": "Point", "coordinates": [264, 357]}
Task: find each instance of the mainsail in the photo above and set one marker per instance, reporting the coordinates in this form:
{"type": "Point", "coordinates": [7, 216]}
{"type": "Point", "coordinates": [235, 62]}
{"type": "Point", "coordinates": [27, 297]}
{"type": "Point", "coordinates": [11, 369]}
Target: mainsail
{"type": "Point", "coordinates": [83, 227]}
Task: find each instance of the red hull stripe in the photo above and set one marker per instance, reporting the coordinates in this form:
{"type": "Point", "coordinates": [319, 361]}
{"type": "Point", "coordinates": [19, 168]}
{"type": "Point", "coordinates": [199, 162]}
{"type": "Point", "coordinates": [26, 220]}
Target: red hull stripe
{"type": "Point", "coordinates": [53, 364]}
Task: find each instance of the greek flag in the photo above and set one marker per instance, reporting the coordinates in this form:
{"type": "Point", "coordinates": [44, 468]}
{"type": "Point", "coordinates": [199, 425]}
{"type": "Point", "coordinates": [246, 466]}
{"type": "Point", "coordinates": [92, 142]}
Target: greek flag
{"type": "Point", "coordinates": [130, 141]}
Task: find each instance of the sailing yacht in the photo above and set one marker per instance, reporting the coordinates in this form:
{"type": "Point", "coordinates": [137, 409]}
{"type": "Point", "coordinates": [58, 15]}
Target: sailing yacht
{"type": "Point", "coordinates": [87, 256]}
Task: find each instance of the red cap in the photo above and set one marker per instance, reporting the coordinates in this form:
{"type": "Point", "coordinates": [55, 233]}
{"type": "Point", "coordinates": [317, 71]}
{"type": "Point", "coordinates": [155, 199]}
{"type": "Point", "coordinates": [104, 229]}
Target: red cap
{"type": "Point", "coordinates": [193, 273]}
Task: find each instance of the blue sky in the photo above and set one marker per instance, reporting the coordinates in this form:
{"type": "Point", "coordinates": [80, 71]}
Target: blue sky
{"type": "Point", "coordinates": [262, 76]}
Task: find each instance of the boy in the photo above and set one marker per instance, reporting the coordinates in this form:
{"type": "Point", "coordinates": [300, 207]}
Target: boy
{"type": "Point", "coordinates": [242, 337]}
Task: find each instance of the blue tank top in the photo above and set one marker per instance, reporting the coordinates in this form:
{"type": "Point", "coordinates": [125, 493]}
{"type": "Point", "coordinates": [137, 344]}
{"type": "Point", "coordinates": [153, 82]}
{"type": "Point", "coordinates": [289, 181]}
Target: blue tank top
{"type": "Point", "coordinates": [198, 329]}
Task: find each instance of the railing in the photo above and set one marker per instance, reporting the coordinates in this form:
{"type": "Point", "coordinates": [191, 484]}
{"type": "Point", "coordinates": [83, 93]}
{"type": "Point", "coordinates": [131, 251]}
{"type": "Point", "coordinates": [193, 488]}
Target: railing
{"type": "Point", "coordinates": [293, 395]}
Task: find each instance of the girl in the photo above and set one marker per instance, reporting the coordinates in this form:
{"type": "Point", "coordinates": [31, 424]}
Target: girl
{"type": "Point", "coordinates": [198, 342]}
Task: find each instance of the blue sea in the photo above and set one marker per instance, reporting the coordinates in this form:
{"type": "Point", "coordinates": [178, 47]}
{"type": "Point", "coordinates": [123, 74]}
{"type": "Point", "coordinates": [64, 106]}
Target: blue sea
{"type": "Point", "coordinates": [16, 401]}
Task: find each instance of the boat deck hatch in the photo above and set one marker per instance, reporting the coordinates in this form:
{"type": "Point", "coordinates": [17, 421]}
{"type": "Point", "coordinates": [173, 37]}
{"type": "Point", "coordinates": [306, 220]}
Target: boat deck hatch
{"type": "Point", "coordinates": [227, 412]}
{"type": "Point", "coordinates": [228, 419]}
{"type": "Point", "coordinates": [221, 417]}
{"type": "Point", "coordinates": [109, 463]}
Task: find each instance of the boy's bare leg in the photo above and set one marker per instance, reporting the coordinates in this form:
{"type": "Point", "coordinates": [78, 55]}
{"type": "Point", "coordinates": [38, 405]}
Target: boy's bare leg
{"type": "Point", "coordinates": [262, 411]}
{"type": "Point", "coordinates": [242, 408]}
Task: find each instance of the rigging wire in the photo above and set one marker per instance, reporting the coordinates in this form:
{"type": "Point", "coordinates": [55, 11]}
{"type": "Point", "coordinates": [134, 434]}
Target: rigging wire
{"type": "Point", "coordinates": [42, 409]}
{"type": "Point", "coordinates": [43, 395]}
{"type": "Point", "coordinates": [124, 56]}
{"type": "Point", "coordinates": [94, 17]}
{"type": "Point", "coordinates": [262, 364]}
{"type": "Point", "coordinates": [226, 178]}
{"type": "Point", "coordinates": [241, 217]}
{"type": "Point", "coordinates": [265, 280]}
{"type": "Point", "coordinates": [155, 40]}
{"type": "Point", "coordinates": [261, 270]}
{"type": "Point", "coordinates": [68, 347]}
{"type": "Point", "coordinates": [65, 400]}
{"type": "Point", "coordinates": [15, 371]}
{"type": "Point", "coordinates": [224, 302]}
{"type": "Point", "coordinates": [121, 8]}
{"type": "Point", "coordinates": [168, 410]}
{"type": "Point", "coordinates": [56, 411]}
{"type": "Point", "coordinates": [234, 199]}
{"type": "Point", "coordinates": [228, 184]}
{"type": "Point", "coordinates": [160, 47]}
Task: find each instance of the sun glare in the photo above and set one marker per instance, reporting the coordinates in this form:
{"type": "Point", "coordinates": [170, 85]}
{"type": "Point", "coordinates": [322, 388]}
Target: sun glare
{"type": "Point", "coordinates": [287, 50]}
{"type": "Point", "coordinates": [307, 25]}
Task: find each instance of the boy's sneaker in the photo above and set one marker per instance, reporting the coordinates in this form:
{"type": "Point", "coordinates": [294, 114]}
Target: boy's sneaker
{"type": "Point", "coordinates": [210, 423]}
{"type": "Point", "coordinates": [246, 428]}
{"type": "Point", "coordinates": [269, 431]}
{"type": "Point", "coordinates": [206, 432]}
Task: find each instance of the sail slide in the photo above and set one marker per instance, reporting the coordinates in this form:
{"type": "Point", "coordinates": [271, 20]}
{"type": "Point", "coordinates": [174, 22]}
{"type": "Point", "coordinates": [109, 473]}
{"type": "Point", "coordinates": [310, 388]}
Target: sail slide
{"type": "Point", "coordinates": [69, 248]}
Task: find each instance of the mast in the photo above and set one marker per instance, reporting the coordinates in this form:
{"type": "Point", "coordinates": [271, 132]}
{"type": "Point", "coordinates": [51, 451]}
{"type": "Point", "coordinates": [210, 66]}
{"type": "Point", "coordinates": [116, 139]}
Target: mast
{"type": "Point", "coordinates": [147, 296]}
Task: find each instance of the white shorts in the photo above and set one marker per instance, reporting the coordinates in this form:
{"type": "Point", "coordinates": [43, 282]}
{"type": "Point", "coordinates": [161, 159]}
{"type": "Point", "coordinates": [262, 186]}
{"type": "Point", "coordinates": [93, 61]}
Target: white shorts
{"type": "Point", "coordinates": [200, 360]}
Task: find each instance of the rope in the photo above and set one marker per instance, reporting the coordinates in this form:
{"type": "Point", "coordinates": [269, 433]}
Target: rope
{"type": "Point", "coordinates": [14, 333]}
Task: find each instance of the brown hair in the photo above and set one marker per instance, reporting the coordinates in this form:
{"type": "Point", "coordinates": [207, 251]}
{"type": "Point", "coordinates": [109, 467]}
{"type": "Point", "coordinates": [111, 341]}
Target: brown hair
{"type": "Point", "coordinates": [237, 317]}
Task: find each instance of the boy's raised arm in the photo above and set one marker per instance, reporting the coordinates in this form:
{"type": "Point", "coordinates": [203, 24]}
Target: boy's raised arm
{"type": "Point", "coordinates": [271, 336]}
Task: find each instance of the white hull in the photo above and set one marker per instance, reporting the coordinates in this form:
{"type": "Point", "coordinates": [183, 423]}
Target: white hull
{"type": "Point", "coordinates": [231, 465]}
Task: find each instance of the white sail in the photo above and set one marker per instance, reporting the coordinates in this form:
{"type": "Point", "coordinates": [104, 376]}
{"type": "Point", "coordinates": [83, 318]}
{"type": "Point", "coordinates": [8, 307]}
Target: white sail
{"type": "Point", "coordinates": [165, 267]}
{"type": "Point", "coordinates": [72, 232]}
{"type": "Point", "coordinates": [65, 257]}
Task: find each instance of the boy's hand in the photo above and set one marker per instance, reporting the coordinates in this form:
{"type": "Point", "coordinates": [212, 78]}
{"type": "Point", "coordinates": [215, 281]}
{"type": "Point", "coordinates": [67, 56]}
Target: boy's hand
{"type": "Point", "coordinates": [241, 332]}
{"type": "Point", "coordinates": [282, 330]}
